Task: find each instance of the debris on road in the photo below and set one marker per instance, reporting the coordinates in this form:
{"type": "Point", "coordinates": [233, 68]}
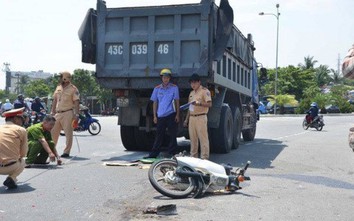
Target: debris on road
{"type": "Point", "coordinates": [167, 210]}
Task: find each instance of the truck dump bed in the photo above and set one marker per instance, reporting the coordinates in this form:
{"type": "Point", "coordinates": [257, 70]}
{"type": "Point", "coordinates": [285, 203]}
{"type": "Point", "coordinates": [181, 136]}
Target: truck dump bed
{"type": "Point", "coordinates": [132, 45]}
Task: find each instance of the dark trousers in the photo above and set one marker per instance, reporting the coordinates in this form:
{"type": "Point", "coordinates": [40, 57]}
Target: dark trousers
{"type": "Point", "coordinates": [164, 123]}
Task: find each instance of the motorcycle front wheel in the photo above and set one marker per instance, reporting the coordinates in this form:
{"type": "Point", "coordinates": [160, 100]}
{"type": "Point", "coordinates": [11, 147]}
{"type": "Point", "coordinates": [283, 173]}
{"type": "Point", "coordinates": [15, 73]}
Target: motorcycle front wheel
{"type": "Point", "coordinates": [305, 125]}
{"type": "Point", "coordinates": [163, 177]}
{"type": "Point", "coordinates": [319, 127]}
{"type": "Point", "coordinates": [94, 128]}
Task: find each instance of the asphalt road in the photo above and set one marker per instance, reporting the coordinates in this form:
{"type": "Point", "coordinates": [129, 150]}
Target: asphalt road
{"type": "Point", "coordinates": [296, 175]}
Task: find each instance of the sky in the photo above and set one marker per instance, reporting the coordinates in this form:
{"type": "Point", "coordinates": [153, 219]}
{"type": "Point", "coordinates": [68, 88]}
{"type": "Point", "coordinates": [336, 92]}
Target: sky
{"type": "Point", "coordinates": [42, 34]}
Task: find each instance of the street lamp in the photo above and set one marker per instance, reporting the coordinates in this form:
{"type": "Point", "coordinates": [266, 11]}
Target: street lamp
{"type": "Point", "coordinates": [276, 55]}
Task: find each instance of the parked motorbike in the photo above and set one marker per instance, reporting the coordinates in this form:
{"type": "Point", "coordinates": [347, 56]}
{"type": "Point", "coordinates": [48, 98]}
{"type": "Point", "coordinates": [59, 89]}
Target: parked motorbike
{"type": "Point", "coordinates": [317, 123]}
{"type": "Point", "coordinates": [87, 123]}
{"type": "Point", "coordinates": [183, 176]}
{"type": "Point", "coordinates": [37, 117]}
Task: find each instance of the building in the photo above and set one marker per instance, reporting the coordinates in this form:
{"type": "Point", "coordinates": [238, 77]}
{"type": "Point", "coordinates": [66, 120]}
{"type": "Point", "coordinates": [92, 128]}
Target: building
{"type": "Point", "coordinates": [13, 78]}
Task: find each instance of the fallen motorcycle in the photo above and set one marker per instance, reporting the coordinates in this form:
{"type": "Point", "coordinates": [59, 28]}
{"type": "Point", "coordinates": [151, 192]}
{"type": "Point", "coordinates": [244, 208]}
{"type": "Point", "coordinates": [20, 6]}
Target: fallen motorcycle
{"type": "Point", "coordinates": [183, 176]}
{"type": "Point", "coordinates": [316, 123]}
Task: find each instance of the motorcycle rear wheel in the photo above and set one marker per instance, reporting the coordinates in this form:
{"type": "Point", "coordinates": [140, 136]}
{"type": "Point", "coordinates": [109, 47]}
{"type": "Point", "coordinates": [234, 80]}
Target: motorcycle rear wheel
{"type": "Point", "coordinates": [163, 177]}
{"type": "Point", "coordinates": [94, 128]}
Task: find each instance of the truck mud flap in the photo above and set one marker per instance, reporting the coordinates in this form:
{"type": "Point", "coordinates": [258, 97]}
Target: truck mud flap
{"type": "Point", "coordinates": [224, 28]}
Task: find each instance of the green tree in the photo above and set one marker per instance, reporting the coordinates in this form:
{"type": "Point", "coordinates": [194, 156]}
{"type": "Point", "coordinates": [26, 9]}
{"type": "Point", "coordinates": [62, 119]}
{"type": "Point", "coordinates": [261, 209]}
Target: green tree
{"type": "Point", "coordinates": [336, 76]}
{"type": "Point", "coordinates": [291, 80]}
{"type": "Point", "coordinates": [52, 82]}
{"type": "Point", "coordinates": [2, 94]}
{"type": "Point", "coordinates": [37, 88]}
{"type": "Point", "coordinates": [309, 63]}
{"type": "Point", "coordinates": [105, 97]}
{"type": "Point", "coordinates": [85, 82]}
{"type": "Point", "coordinates": [285, 99]}
{"type": "Point", "coordinates": [322, 75]}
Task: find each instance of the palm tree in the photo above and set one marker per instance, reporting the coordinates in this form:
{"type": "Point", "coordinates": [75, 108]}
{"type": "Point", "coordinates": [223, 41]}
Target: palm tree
{"type": "Point", "coordinates": [309, 63]}
{"type": "Point", "coordinates": [336, 76]}
{"type": "Point", "coordinates": [322, 75]}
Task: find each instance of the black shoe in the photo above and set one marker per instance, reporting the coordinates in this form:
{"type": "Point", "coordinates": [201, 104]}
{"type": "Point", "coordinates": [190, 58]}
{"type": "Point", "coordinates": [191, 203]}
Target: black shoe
{"type": "Point", "coordinates": [168, 155]}
{"type": "Point", "coordinates": [10, 183]}
{"type": "Point", "coordinates": [65, 155]}
{"type": "Point", "coordinates": [28, 166]}
{"type": "Point", "coordinates": [151, 155]}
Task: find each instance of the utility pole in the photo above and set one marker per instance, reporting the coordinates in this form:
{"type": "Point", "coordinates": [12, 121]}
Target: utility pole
{"type": "Point", "coordinates": [276, 55]}
{"type": "Point", "coordinates": [7, 76]}
{"type": "Point", "coordinates": [338, 65]}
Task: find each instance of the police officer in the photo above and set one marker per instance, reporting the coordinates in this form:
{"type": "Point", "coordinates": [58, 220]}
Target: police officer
{"type": "Point", "coordinates": [65, 107]}
{"type": "Point", "coordinates": [166, 113]}
{"type": "Point", "coordinates": [196, 118]}
{"type": "Point", "coordinates": [13, 146]}
{"type": "Point", "coordinates": [40, 143]}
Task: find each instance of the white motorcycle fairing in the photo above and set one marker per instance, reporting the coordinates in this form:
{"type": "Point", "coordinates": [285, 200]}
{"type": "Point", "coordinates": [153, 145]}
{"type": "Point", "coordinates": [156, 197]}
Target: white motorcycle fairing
{"type": "Point", "coordinates": [217, 173]}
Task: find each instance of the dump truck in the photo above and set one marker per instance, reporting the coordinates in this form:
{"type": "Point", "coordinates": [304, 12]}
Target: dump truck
{"type": "Point", "coordinates": [130, 45]}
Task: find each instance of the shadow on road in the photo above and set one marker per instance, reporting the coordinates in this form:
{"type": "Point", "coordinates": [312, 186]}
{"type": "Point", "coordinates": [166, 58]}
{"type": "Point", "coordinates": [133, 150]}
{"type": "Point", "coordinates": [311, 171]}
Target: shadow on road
{"type": "Point", "coordinates": [261, 152]}
{"type": "Point", "coordinates": [22, 188]}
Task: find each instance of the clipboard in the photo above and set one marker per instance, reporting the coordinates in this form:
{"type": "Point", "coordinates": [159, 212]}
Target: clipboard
{"type": "Point", "coordinates": [185, 106]}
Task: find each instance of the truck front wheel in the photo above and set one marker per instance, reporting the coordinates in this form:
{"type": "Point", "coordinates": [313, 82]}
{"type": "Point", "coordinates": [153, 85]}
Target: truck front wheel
{"type": "Point", "coordinates": [249, 134]}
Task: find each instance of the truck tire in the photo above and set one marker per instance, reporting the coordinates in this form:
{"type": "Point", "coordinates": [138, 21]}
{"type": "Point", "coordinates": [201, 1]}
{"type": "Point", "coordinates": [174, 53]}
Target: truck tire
{"type": "Point", "coordinates": [128, 137]}
{"type": "Point", "coordinates": [249, 134]}
{"type": "Point", "coordinates": [222, 137]}
{"type": "Point", "coordinates": [237, 128]}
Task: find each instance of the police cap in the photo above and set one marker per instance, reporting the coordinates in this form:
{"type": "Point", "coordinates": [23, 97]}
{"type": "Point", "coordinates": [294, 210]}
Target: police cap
{"type": "Point", "coordinates": [14, 112]}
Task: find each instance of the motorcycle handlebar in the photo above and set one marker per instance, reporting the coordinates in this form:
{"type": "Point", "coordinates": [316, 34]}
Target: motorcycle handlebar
{"type": "Point", "coordinates": [246, 166]}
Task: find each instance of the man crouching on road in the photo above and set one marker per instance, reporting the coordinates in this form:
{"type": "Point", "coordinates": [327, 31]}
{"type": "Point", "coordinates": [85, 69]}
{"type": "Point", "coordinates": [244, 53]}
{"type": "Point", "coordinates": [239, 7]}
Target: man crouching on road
{"type": "Point", "coordinates": [13, 146]}
{"type": "Point", "coordinates": [40, 143]}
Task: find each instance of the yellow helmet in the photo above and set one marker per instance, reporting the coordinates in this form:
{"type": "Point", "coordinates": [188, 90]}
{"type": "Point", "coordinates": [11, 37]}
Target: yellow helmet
{"type": "Point", "coordinates": [165, 71]}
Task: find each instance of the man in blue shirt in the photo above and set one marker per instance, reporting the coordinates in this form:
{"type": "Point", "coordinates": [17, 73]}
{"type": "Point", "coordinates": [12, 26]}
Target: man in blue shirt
{"type": "Point", "coordinates": [166, 113]}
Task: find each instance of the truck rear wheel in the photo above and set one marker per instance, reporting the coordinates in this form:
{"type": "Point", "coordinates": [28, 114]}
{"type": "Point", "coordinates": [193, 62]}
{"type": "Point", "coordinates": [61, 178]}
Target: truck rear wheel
{"type": "Point", "coordinates": [222, 137]}
{"type": "Point", "coordinates": [144, 140]}
{"type": "Point", "coordinates": [237, 128]}
{"type": "Point", "coordinates": [128, 137]}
